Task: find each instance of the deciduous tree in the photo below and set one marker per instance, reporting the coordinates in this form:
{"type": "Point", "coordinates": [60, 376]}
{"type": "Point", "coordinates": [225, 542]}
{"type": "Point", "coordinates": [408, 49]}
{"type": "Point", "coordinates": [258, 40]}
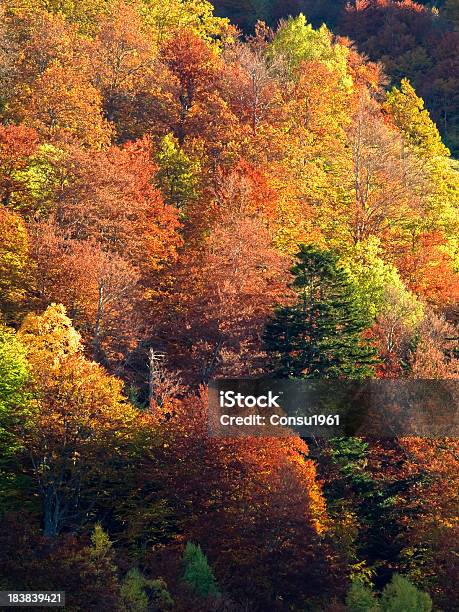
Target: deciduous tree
{"type": "Point", "coordinates": [15, 265]}
{"type": "Point", "coordinates": [82, 424]}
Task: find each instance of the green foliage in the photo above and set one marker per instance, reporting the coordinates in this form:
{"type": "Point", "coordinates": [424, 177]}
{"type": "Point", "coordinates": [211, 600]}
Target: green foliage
{"type": "Point", "coordinates": [360, 598]}
{"type": "Point", "coordinates": [413, 119]}
{"type": "Point", "coordinates": [176, 175]}
{"type": "Point", "coordinates": [378, 286]}
{"type": "Point", "coordinates": [401, 594]}
{"type": "Point", "coordinates": [101, 546]}
{"type": "Point", "coordinates": [138, 593]}
{"type": "Point", "coordinates": [321, 335]}
{"type": "Point", "coordinates": [101, 557]}
{"type": "Point", "coordinates": [297, 41]}
{"type": "Point", "coordinates": [15, 264]}
{"type": "Point", "coordinates": [197, 15]}
{"type": "Point", "coordinates": [366, 503]}
{"type": "Point", "coordinates": [161, 597]}
{"type": "Point", "coordinates": [133, 591]}
{"type": "Point", "coordinates": [440, 181]}
{"type": "Point", "coordinates": [39, 182]}
{"type": "Point", "coordinates": [350, 454]}
{"type": "Point", "coordinates": [14, 373]}
{"type": "Point", "coordinates": [198, 574]}
{"type": "Point", "coordinates": [14, 407]}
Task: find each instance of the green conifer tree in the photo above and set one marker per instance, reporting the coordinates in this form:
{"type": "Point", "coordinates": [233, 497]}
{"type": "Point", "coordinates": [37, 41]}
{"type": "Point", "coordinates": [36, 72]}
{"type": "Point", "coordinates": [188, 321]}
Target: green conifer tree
{"type": "Point", "coordinates": [320, 336]}
{"type": "Point", "coordinates": [137, 591]}
{"type": "Point", "coordinates": [133, 592]}
{"type": "Point", "coordinates": [198, 573]}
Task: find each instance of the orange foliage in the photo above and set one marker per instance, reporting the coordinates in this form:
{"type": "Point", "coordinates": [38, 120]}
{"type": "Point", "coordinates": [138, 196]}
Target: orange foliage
{"type": "Point", "coordinates": [428, 269]}
{"type": "Point", "coordinates": [109, 196]}
{"type": "Point", "coordinates": [17, 145]}
{"type": "Point", "coordinates": [220, 293]}
{"type": "Point", "coordinates": [65, 107]}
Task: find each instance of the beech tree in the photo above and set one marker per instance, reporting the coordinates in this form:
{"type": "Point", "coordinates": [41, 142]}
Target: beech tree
{"type": "Point", "coordinates": [123, 58]}
{"type": "Point", "coordinates": [110, 197]}
{"type": "Point", "coordinates": [382, 177]}
{"type": "Point", "coordinates": [254, 92]}
{"type": "Point", "coordinates": [15, 411]}
{"type": "Point", "coordinates": [81, 413]}
{"type": "Point", "coordinates": [269, 494]}
{"type": "Point", "coordinates": [296, 41]}
{"type": "Point", "coordinates": [410, 115]}
{"type": "Point", "coordinates": [100, 290]}
{"type": "Point", "coordinates": [15, 265]}
{"type": "Point", "coordinates": [64, 106]}
{"type": "Point", "coordinates": [176, 174]}
{"type": "Point", "coordinates": [17, 145]}
{"type": "Point", "coordinates": [222, 291]}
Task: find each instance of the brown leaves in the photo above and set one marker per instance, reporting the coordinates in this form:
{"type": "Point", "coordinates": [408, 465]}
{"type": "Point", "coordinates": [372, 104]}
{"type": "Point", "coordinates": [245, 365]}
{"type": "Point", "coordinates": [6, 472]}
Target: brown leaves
{"type": "Point", "coordinates": [223, 288]}
{"type": "Point", "coordinates": [109, 232]}
{"type": "Point", "coordinates": [123, 60]}
{"type": "Point", "coordinates": [434, 356]}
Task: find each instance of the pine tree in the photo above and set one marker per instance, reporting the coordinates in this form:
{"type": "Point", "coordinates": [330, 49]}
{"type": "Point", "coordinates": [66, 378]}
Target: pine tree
{"type": "Point", "coordinates": [320, 336]}
{"type": "Point", "coordinates": [198, 574]}
{"type": "Point", "coordinates": [133, 592]}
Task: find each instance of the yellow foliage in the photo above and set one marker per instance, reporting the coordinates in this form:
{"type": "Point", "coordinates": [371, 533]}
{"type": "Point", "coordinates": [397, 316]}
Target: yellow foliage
{"type": "Point", "coordinates": [49, 338]}
{"type": "Point", "coordinates": [14, 263]}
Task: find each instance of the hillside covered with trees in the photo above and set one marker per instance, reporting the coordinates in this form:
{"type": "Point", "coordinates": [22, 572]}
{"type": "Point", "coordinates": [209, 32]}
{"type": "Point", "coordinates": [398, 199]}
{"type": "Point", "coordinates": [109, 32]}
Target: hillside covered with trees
{"type": "Point", "coordinates": [182, 200]}
{"type": "Point", "coordinates": [418, 40]}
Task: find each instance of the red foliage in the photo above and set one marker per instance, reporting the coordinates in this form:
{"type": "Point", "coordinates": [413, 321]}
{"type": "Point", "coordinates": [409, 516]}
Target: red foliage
{"type": "Point", "coordinates": [253, 504]}
{"type": "Point", "coordinates": [17, 145]}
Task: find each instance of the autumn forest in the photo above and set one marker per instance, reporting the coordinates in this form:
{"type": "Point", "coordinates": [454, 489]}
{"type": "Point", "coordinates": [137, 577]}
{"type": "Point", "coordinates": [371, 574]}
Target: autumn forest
{"type": "Point", "coordinates": [190, 192]}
